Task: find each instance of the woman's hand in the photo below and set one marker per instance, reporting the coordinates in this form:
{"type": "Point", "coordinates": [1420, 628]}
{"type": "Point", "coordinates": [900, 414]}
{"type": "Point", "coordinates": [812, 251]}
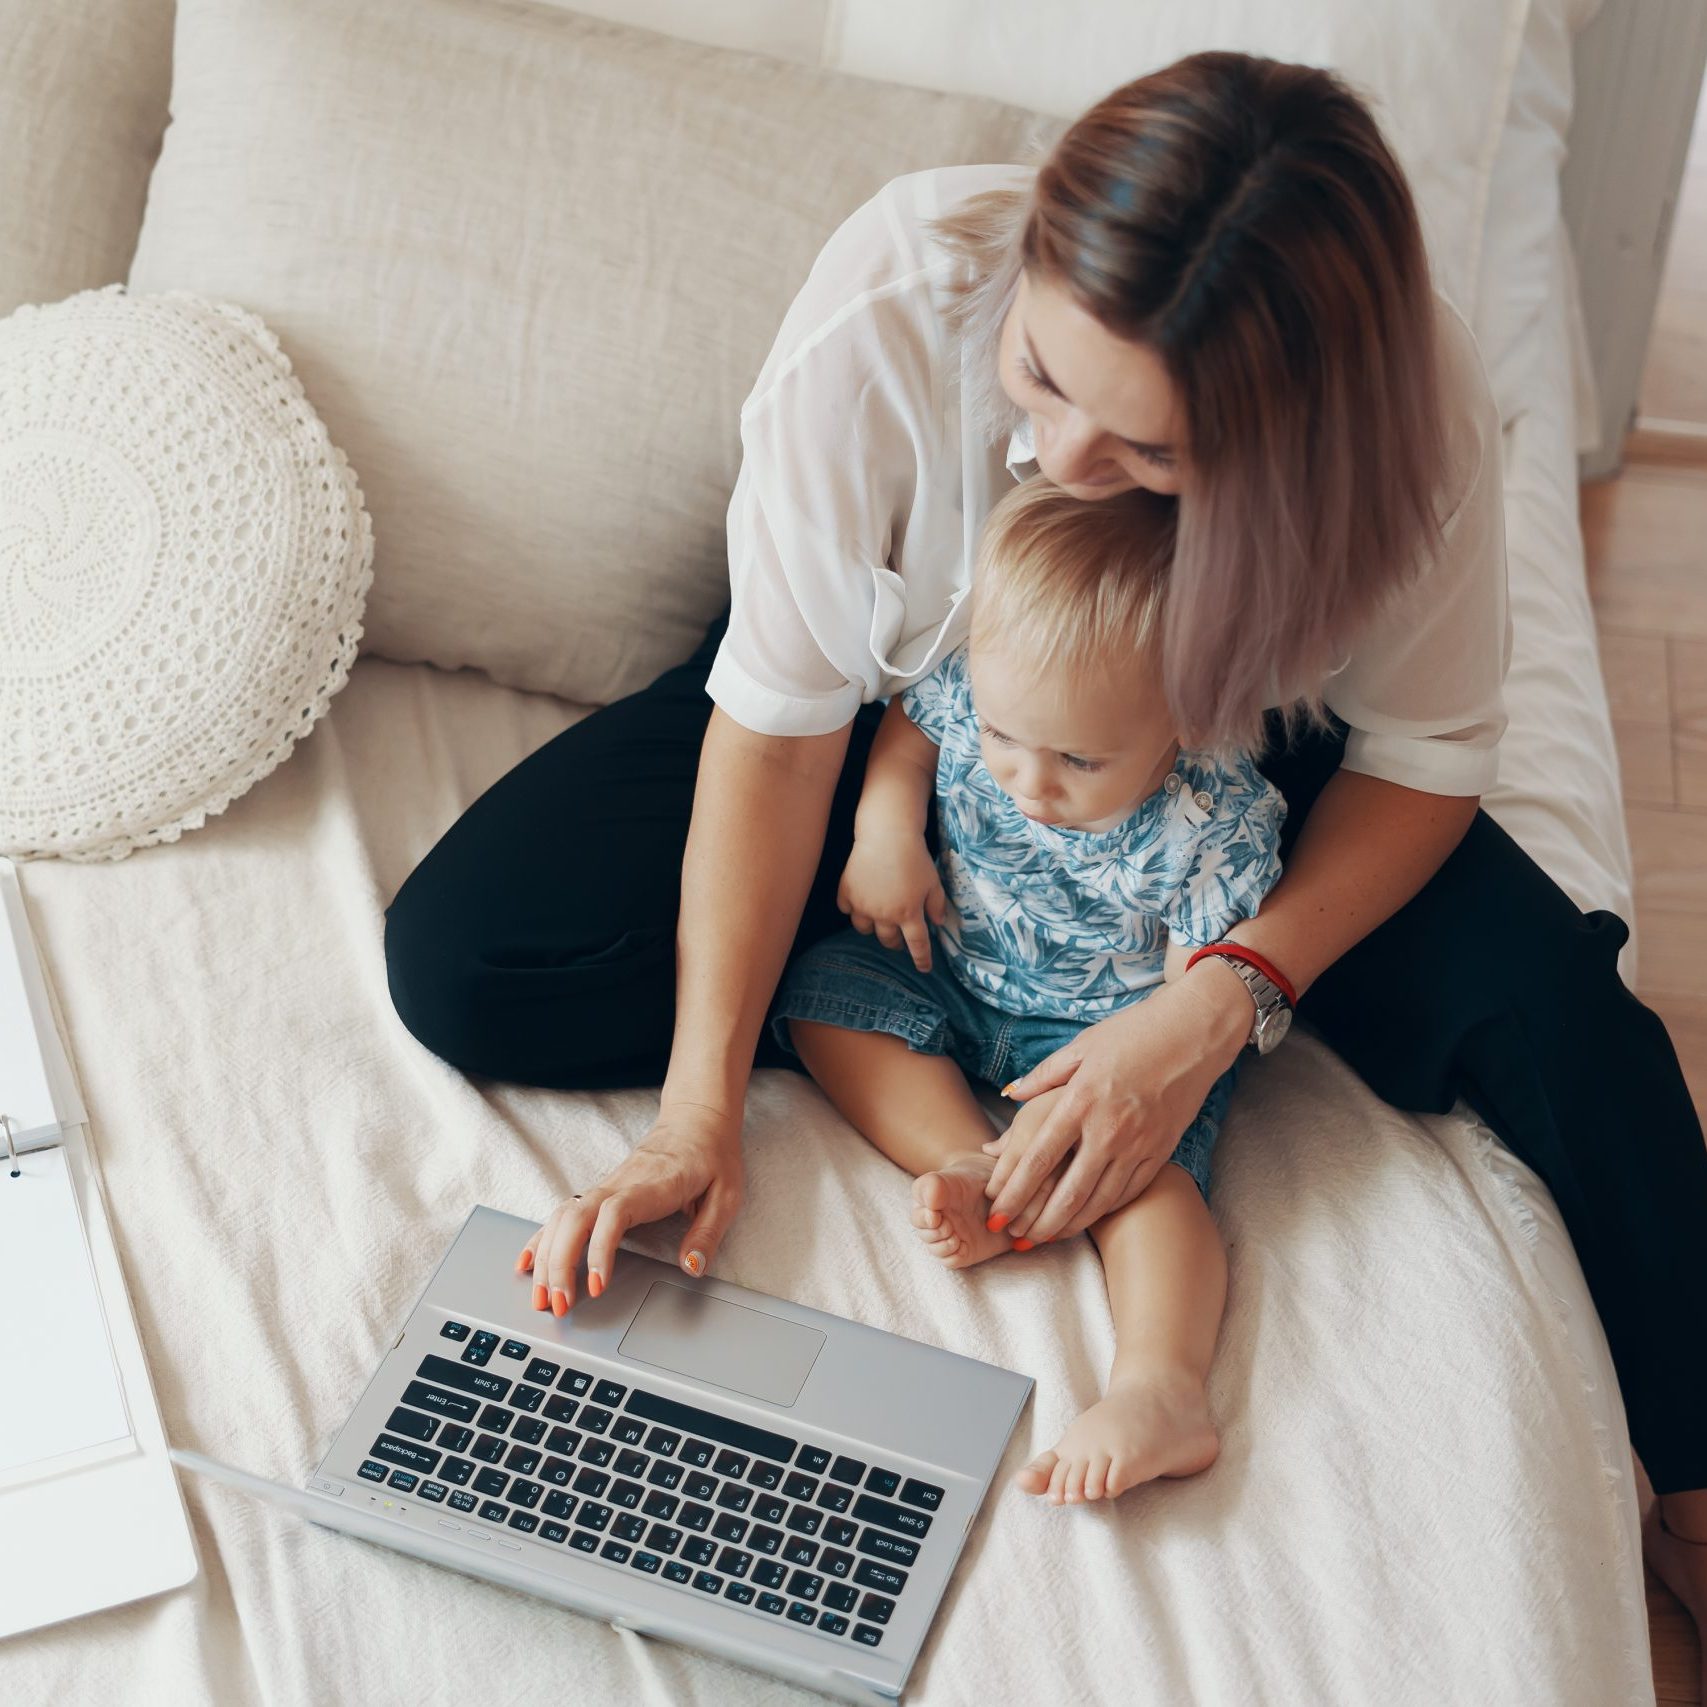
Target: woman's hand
{"type": "Point", "coordinates": [1129, 1087]}
{"type": "Point", "coordinates": [690, 1160]}
{"type": "Point", "coordinates": [891, 886]}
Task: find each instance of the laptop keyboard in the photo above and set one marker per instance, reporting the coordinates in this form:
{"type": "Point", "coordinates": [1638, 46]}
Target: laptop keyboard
{"type": "Point", "coordinates": [788, 1527]}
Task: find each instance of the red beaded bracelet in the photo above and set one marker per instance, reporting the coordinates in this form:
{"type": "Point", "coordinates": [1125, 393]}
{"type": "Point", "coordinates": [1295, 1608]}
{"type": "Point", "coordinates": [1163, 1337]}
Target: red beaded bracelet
{"type": "Point", "coordinates": [1238, 951]}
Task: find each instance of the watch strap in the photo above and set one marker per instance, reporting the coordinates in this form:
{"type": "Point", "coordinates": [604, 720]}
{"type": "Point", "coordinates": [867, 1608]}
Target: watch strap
{"type": "Point", "coordinates": [1237, 952]}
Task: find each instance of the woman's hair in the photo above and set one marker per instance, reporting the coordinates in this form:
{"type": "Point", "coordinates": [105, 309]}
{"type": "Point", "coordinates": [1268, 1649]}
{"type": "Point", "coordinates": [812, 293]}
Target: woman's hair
{"type": "Point", "coordinates": [1245, 220]}
{"type": "Point", "coordinates": [1078, 587]}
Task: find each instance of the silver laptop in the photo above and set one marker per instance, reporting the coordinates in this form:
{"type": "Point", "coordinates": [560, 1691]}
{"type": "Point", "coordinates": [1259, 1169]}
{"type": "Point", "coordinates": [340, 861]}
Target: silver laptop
{"type": "Point", "coordinates": [686, 1459]}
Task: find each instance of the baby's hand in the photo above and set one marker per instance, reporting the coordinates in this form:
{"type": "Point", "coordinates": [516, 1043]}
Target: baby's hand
{"type": "Point", "coordinates": [891, 887]}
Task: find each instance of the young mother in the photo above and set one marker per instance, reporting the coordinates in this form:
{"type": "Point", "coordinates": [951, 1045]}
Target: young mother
{"type": "Point", "coordinates": [1215, 287]}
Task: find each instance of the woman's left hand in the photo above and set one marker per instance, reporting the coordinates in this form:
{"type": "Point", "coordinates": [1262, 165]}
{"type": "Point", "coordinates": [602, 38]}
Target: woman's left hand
{"type": "Point", "coordinates": [1132, 1084]}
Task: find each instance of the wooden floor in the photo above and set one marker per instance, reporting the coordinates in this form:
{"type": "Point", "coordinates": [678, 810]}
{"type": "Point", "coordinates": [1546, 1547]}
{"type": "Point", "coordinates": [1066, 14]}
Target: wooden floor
{"type": "Point", "coordinates": [1646, 534]}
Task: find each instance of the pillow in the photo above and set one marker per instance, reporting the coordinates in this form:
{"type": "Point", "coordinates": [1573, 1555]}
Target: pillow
{"type": "Point", "coordinates": [528, 265]}
{"type": "Point", "coordinates": [183, 560]}
{"type": "Point", "coordinates": [83, 89]}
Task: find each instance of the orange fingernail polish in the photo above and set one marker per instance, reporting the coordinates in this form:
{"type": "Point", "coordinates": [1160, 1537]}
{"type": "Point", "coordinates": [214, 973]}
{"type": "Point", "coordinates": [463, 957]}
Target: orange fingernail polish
{"type": "Point", "coordinates": [527, 1261]}
{"type": "Point", "coordinates": [595, 1282]}
{"type": "Point", "coordinates": [559, 1304]}
{"type": "Point", "coordinates": [1022, 1244]}
{"type": "Point", "coordinates": [539, 1297]}
{"type": "Point", "coordinates": [997, 1222]}
{"type": "Point", "coordinates": [694, 1263]}
{"type": "Point", "coordinates": [1008, 1088]}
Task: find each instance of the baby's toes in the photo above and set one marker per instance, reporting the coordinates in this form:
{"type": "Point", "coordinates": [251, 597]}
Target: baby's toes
{"type": "Point", "coordinates": [1034, 1478]}
{"type": "Point", "coordinates": [1058, 1481]}
{"type": "Point", "coordinates": [926, 1219]}
{"type": "Point", "coordinates": [1096, 1476]}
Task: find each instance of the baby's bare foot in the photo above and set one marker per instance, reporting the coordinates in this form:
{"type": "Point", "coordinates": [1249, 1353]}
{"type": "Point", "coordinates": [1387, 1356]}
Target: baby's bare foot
{"type": "Point", "coordinates": [1144, 1427]}
{"type": "Point", "coordinates": [949, 1211]}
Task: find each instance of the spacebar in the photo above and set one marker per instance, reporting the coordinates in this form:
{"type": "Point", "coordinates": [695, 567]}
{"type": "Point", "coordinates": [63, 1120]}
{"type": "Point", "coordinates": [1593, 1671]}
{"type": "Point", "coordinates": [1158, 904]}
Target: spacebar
{"type": "Point", "coordinates": [711, 1425]}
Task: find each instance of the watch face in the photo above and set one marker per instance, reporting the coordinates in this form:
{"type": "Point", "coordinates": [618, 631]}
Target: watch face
{"type": "Point", "coordinates": [1272, 1027]}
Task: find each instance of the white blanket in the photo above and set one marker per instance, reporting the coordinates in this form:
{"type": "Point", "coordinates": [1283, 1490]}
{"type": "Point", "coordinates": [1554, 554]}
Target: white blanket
{"type": "Point", "coordinates": [1420, 1498]}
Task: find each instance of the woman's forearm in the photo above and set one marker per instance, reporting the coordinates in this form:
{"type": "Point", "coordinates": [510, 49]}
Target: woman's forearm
{"type": "Point", "coordinates": [760, 807]}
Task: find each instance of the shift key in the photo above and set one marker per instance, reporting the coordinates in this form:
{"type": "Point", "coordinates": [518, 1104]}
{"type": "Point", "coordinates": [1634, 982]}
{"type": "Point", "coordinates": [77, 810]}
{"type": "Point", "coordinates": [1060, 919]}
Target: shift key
{"type": "Point", "coordinates": [465, 1377]}
{"type": "Point", "coordinates": [406, 1453]}
{"type": "Point", "coordinates": [887, 1515]}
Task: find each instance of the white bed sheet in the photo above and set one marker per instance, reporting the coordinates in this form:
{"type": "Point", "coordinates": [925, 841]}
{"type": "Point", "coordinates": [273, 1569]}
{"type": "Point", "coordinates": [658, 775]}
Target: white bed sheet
{"type": "Point", "coordinates": [1424, 1493]}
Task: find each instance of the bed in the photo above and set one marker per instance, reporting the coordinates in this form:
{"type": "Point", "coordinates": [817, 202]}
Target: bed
{"type": "Point", "coordinates": [1425, 1491]}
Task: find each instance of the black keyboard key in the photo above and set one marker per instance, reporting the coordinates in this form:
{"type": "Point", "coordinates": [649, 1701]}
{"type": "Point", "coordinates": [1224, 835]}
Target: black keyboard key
{"type": "Point", "coordinates": [841, 1596]}
{"type": "Point", "coordinates": [768, 1508]}
{"type": "Point", "coordinates": [664, 1474]}
{"type": "Point", "coordinates": [594, 1517]}
{"type": "Point", "coordinates": [726, 1528]}
{"type": "Point", "coordinates": [526, 1494]}
{"type": "Point", "coordinates": [405, 1452]}
{"type": "Point", "coordinates": [835, 1564]}
{"type": "Point", "coordinates": [799, 1614]}
{"type": "Point", "coordinates": [562, 1441]}
{"type": "Point", "coordinates": [882, 1482]}
{"type": "Point", "coordinates": [664, 1441]}
{"type": "Point", "coordinates": [806, 1585]}
{"type": "Point", "coordinates": [803, 1520]}
{"type": "Point", "coordinates": [629, 1430]}
{"type": "Point", "coordinates": [412, 1424]}
{"type": "Point", "coordinates": [434, 1491]}
{"type": "Point", "coordinates": [489, 1448]}
{"type": "Point", "coordinates": [557, 1471]}
{"type": "Point", "coordinates": [699, 1550]}
{"type": "Point", "coordinates": [832, 1624]}
{"type": "Point", "coordinates": [594, 1420]}
{"type": "Point", "coordinates": [699, 1486]}
{"type": "Point", "coordinates": [732, 1562]}
{"type": "Point", "coordinates": [772, 1603]}
{"type": "Point", "coordinates": [660, 1504]}
{"type": "Point", "coordinates": [616, 1551]}
{"type": "Point", "coordinates": [834, 1497]}
{"type": "Point", "coordinates": [453, 1437]}
{"type": "Point", "coordinates": [927, 1494]}
{"type": "Point", "coordinates": [693, 1516]}
{"type": "Point", "coordinates": [765, 1540]}
{"type": "Point", "coordinates": [839, 1532]}
{"type": "Point", "coordinates": [494, 1513]}
{"type": "Point", "coordinates": [677, 1572]}
{"type": "Point", "coordinates": [888, 1516]}
{"type": "Point", "coordinates": [541, 1373]}
{"type": "Point", "coordinates": [663, 1539]}
{"type": "Point", "coordinates": [514, 1348]}
{"type": "Point", "coordinates": [770, 1573]}
{"type": "Point", "coordinates": [596, 1451]}
{"type": "Point", "coordinates": [798, 1487]}
{"type": "Point", "coordinates": [584, 1541]}
{"type": "Point", "coordinates": [530, 1429]}
{"type": "Point", "coordinates": [814, 1460]}
{"type": "Point", "coordinates": [609, 1393]}
{"type": "Point", "coordinates": [706, 1583]}
{"type": "Point", "coordinates": [463, 1500]}
{"type": "Point", "coordinates": [525, 1521]}
{"type": "Point", "coordinates": [455, 1330]}
{"type": "Point", "coordinates": [847, 1470]}
{"type": "Point", "coordinates": [456, 1470]}
{"type": "Point", "coordinates": [698, 1453]}
{"type": "Point", "coordinates": [443, 1373]}
{"type": "Point", "coordinates": [492, 1482]}
{"type": "Point", "coordinates": [800, 1552]}
{"type": "Point", "coordinates": [496, 1419]}
{"type": "Point", "coordinates": [869, 1634]}
{"type": "Point", "coordinates": [873, 1575]}
{"type": "Point", "coordinates": [403, 1481]}
{"type": "Point", "coordinates": [764, 1474]}
{"type": "Point", "coordinates": [479, 1350]}
{"type": "Point", "coordinates": [559, 1504]}
{"type": "Point", "coordinates": [626, 1494]}
{"type": "Point", "coordinates": [733, 1497]}
{"type": "Point", "coordinates": [630, 1463]}
{"type": "Point", "coordinates": [553, 1532]}
{"type": "Point", "coordinates": [740, 1593]}
{"type": "Point", "coordinates": [896, 1548]}
{"type": "Point", "coordinates": [876, 1608]}
{"type": "Point", "coordinates": [629, 1526]}
{"type": "Point", "coordinates": [742, 1436]}
{"type": "Point", "coordinates": [560, 1408]}
{"type": "Point", "coordinates": [527, 1398]}
{"type": "Point", "coordinates": [574, 1382]}
{"type": "Point", "coordinates": [435, 1399]}
{"type": "Point", "coordinates": [591, 1482]}
{"type": "Point", "coordinates": [730, 1463]}
{"type": "Point", "coordinates": [647, 1562]}
{"type": "Point", "coordinates": [523, 1460]}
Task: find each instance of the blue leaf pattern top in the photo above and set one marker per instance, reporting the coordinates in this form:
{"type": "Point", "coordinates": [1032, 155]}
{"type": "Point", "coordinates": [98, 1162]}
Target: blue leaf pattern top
{"type": "Point", "coordinates": [1075, 924]}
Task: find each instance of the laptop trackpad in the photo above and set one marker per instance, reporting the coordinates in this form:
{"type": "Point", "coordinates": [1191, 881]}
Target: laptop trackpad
{"type": "Point", "coordinates": [724, 1345]}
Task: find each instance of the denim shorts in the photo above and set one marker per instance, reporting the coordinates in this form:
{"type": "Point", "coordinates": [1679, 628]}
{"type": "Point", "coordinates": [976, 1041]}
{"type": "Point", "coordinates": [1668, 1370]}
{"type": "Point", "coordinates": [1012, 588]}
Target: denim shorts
{"type": "Point", "coordinates": [855, 983]}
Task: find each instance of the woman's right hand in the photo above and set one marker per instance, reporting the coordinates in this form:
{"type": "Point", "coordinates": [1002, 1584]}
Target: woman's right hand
{"type": "Point", "coordinates": [689, 1162]}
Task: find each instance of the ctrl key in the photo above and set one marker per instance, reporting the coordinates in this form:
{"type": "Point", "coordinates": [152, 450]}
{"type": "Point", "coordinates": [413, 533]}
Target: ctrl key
{"type": "Point", "coordinates": [867, 1633]}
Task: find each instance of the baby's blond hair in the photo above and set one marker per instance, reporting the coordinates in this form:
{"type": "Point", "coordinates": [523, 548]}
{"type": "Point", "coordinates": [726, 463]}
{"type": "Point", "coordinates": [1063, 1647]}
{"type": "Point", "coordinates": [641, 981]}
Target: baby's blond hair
{"type": "Point", "coordinates": [1075, 584]}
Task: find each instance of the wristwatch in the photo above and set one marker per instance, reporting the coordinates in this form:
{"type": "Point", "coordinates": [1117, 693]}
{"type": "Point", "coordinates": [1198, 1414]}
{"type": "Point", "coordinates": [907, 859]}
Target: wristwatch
{"type": "Point", "coordinates": [1268, 987]}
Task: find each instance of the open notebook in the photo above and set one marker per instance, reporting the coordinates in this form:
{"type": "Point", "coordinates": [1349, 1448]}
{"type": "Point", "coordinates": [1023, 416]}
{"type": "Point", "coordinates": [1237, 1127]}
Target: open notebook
{"type": "Point", "coordinates": [87, 1443]}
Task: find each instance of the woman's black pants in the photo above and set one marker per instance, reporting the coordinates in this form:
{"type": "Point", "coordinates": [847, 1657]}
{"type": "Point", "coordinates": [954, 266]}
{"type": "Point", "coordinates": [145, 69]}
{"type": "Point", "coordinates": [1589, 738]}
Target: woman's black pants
{"type": "Point", "coordinates": [536, 943]}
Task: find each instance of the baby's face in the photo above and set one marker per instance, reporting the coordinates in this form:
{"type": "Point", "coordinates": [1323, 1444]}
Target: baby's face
{"type": "Point", "coordinates": [1080, 754]}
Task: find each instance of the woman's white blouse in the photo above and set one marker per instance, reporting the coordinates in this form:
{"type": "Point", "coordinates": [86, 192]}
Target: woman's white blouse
{"type": "Point", "coordinates": [862, 492]}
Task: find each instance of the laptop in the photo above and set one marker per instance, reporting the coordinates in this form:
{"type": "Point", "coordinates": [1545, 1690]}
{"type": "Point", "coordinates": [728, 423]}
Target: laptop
{"type": "Point", "coordinates": [687, 1459]}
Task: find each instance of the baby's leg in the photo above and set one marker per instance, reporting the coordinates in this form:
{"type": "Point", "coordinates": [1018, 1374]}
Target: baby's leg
{"type": "Point", "coordinates": [1167, 1286]}
{"type": "Point", "coordinates": [921, 1113]}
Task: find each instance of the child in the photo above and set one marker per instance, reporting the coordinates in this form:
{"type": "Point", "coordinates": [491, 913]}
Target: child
{"type": "Point", "coordinates": [1084, 856]}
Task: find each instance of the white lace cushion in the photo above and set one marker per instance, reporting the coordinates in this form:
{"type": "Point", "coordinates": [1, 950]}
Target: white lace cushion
{"type": "Point", "coordinates": [184, 559]}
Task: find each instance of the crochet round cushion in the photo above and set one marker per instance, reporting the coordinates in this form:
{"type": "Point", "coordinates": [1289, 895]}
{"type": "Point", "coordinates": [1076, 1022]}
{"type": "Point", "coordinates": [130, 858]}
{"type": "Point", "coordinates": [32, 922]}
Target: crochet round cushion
{"type": "Point", "coordinates": [184, 557]}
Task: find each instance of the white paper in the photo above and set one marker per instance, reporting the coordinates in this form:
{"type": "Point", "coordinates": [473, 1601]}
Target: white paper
{"type": "Point", "coordinates": [60, 1392]}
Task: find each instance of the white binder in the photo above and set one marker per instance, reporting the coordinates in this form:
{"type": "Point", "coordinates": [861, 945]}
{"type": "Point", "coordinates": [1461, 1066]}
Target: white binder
{"type": "Point", "coordinates": [90, 1510]}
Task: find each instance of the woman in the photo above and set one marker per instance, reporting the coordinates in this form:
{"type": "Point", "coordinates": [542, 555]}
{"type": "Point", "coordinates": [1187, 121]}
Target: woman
{"type": "Point", "coordinates": [1214, 289]}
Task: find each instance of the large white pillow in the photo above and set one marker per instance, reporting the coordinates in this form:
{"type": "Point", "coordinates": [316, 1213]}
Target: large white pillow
{"type": "Point", "coordinates": [183, 560]}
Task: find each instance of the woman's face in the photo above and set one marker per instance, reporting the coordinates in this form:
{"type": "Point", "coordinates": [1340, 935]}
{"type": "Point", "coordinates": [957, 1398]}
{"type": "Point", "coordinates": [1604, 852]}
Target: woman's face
{"type": "Point", "coordinates": [1105, 415]}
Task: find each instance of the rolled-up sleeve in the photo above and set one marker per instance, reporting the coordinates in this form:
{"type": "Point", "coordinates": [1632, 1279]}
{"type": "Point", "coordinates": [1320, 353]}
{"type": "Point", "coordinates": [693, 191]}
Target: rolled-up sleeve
{"type": "Point", "coordinates": [1423, 694]}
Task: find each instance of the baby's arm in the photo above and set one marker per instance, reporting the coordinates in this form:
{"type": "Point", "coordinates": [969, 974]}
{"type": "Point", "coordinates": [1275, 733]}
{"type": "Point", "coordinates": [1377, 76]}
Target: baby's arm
{"type": "Point", "coordinates": [891, 884]}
